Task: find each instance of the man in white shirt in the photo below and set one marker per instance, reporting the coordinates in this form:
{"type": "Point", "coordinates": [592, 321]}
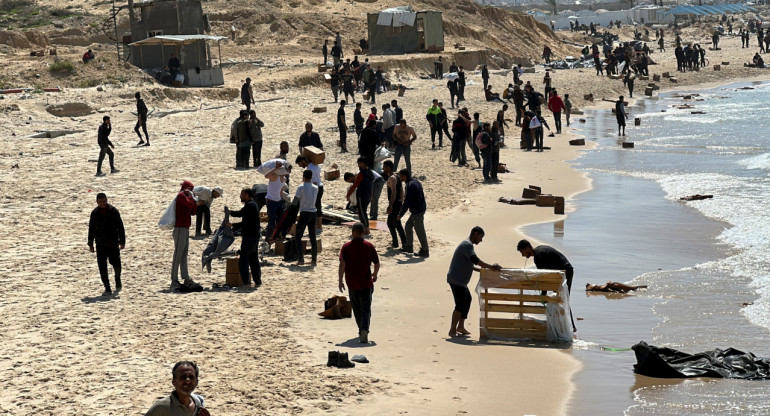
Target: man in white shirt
{"type": "Point", "coordinates": [305, 197]}
{"type": "Point", "coordinates": [304, 163]}
{"type": "Point", "coordinates": [275, 171]}
{"type": "Point", "coordinates": [388, 124]}
{"type": "Point", "coordinates": [204, 196]}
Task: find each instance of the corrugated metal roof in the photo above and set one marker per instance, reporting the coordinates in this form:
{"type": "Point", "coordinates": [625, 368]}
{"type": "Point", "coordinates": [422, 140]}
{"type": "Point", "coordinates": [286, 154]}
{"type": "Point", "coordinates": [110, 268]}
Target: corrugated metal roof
{"type": "Point", "coordinates": [175, 39]}
{"type": "Point", "coordinates": [708, 10]}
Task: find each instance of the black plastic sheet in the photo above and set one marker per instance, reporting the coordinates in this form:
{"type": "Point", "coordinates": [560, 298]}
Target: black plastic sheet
{"type": "Point", "coordinates": [658, 362]}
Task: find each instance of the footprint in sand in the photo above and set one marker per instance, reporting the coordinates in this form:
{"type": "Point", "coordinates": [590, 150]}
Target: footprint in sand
{"type": "Point", "coordinates": [459, 399]}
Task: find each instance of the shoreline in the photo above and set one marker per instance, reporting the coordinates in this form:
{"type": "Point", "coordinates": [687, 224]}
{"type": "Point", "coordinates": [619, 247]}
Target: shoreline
{"type": "Point", "coordinates": [128, 337]}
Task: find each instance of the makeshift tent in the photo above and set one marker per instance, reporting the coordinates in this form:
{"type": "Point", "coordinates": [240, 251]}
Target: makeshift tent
{"type": "Point", "coordinates": [402, 30]}
{"type": "Point", "coordinates": [199, 73]}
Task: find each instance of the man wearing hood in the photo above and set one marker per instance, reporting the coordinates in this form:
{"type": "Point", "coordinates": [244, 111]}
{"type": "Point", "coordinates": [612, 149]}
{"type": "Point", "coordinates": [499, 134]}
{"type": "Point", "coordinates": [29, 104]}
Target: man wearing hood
{"type": "Point", "coordinates": [204, 196]}
{"type": "Point", "coordinates": [186, 207]}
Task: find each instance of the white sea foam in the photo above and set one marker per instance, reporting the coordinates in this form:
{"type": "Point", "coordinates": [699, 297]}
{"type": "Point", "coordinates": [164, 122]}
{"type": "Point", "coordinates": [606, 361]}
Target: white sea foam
{"type": "Point", "coordinates": [757, 162]}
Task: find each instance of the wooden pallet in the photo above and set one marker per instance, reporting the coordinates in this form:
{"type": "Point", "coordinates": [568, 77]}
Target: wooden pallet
{"type": "Point", "coordinates": [516, 308]}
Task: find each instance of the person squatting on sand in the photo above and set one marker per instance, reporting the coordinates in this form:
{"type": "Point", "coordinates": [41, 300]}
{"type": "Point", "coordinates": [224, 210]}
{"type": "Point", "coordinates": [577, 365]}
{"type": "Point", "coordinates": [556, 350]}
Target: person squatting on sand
{"type": "Point", "coordinates": [105, 227]}
{"type": "Point", "coordinates": [356, 259]}
{"type": "Point", "coordinates": [464, 263]}
{"type": "Point", "coordinates": [182, 401]}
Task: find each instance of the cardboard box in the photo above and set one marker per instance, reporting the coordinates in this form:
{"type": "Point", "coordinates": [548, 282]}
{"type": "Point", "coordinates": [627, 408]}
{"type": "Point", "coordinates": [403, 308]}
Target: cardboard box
{"type": "Point", "coordinates": [233, 274]}
{"type": "Point", "coordinates": [314, 154]}
{"type": "Point", "coordinates": [558, 205]}
{"type": "Point", "coordinates": [717, 68]}
{"type": "Point", "coordinates": [628, 145]}
{"type": "Point", "coordinates": [530, 193]}
{"type": "Point", "coordinates": [648, 91]}
{"type": "Point", "coordinates": [544, 200]}
{"type": "Point", "coordinates": [319, 109]}
{"type": "Point", "coordinates": [725, 63]}
{"type": "Point", "coordinates": [331, 174]}
{"type": "Point", "coordinates": [279, 248]}
{"type": "Point", "coordinates": [522, 201]}
{"type": "Point", "coordinates": [306, 244]}
{"type": "Point", "coordinates": [322, 68]}
{"type": "Point", "coordinates": [577, 142]}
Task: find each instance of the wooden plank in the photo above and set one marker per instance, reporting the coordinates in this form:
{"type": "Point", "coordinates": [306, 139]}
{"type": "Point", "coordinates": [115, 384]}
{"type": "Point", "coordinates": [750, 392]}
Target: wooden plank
{"type": "Point", "coordinates": [496, 307]}
{"type": "Point", "coordinates": [525, 324]}
{"type": "Point", "coordinates": [520, 298]}
{"type": "Point", "coordinates": [518, 333]}
{"type": "Point", "coordinates": [538, 286]}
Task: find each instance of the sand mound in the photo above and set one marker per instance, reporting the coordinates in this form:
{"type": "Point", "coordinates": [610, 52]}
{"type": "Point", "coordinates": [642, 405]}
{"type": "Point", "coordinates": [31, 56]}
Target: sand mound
{"type": "Point", "coordinates": [24, 40]}
{"type": "Point", "coordinates": [70, 109]}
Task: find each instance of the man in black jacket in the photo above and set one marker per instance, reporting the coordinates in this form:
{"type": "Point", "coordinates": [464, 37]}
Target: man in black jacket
{"type": "Point", "coordinates": [249, 238]}
{"type": "Point", "coordinates": [104, 146]}
{"type": "Point", "coordinates": [106, 228]}
{"type": "Point", "coordinates": [141, 120]}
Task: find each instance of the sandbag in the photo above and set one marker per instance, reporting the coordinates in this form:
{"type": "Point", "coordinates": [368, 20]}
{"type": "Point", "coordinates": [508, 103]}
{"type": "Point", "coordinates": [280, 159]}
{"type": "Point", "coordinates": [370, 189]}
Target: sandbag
{"type": "Point", "coordinates": [659, 362]}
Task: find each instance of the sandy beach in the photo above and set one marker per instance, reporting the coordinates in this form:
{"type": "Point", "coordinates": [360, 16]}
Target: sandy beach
{"type": "Point", "coordinates": [66, 350]}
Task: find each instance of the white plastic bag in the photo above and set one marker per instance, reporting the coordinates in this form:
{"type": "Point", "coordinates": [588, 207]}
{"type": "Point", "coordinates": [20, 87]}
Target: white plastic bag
{"type": "Point", "coordinates": [168, 220]}
{"type": "Point", "coordinates": [381, 154]}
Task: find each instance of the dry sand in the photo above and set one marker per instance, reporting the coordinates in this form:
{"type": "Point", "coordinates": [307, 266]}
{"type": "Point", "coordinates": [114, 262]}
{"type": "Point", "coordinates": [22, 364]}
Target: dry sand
{"type": "Point", "coordinates": [65, 350]}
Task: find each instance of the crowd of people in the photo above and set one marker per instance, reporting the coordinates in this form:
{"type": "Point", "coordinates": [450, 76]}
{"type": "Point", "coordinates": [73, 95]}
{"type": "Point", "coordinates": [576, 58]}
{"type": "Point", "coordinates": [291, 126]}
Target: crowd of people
{"type": "Point", "coordinates": [384, 143]}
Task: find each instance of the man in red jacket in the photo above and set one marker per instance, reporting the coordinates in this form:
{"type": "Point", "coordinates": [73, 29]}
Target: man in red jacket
{"type": "Point", "coordinates": [556, 105]}
{"type": "Point", "coordinates": [185, 208]}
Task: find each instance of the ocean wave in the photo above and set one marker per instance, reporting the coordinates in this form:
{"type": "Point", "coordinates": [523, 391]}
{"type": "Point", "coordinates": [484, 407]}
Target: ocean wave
{"type": "Point", "coordinates": [757, 162]}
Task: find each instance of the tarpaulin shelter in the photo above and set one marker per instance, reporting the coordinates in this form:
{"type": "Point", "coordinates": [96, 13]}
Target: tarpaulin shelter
{"type": "Point", "coordinates": [402, 30]}
{"type": "Point", "coordinates": [198, 72]}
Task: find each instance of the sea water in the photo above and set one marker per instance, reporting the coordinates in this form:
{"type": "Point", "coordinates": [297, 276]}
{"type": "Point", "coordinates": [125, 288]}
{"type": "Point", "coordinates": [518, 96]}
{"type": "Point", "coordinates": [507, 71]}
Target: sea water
{"type": "Point", "coordinates": [707, 262]}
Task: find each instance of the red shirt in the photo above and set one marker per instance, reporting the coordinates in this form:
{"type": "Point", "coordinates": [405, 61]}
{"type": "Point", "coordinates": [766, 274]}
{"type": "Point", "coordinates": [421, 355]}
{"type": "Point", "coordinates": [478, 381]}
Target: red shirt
{"type": "Point", "coordinates": [359, 255]}
{"type": "Point", "coordinates": [555, 104]}
{"type": "Point", "coordinates": [185, 207]}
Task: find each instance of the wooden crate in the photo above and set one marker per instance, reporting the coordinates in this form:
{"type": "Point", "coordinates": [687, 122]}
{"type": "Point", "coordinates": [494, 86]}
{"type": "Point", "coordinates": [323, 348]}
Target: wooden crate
{"type": "Point", "coordinates": [520, 312]}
